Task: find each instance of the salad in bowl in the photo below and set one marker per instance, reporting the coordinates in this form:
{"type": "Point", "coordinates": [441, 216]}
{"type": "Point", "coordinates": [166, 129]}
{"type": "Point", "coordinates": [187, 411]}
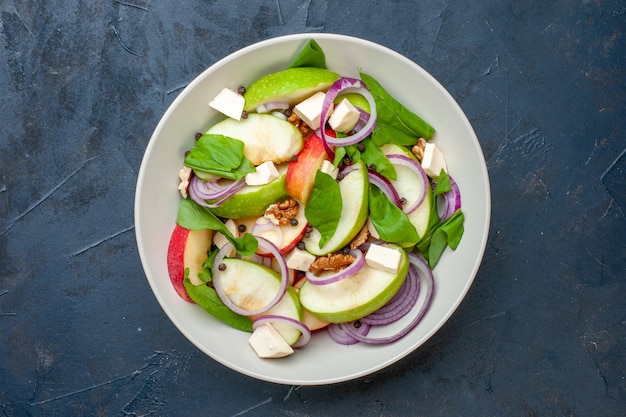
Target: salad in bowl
{"type": "Point", "coordinates": [316, 212]}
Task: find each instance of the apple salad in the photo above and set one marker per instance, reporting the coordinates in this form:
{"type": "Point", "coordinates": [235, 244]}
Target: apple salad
{"type": "Point", "coordinates": [316, 203]}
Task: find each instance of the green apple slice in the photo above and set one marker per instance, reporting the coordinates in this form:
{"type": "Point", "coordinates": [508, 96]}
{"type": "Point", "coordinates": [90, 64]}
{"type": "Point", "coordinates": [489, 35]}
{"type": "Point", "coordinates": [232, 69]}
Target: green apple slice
{"type": "Point", "coordinates": [253, 200]}
{"type": "Point", "coordinates": [291, 86]}
{"type": "Point", "coordinates": [356, 296]}
{"type": "Point", "coordinates": [354, 211]}
{"type": "Point", "coordinates": [251, 286]}
{"type": "Point", "coordinates": [265, 137]}
{"type": "Point", "coordinates": [409, 186]}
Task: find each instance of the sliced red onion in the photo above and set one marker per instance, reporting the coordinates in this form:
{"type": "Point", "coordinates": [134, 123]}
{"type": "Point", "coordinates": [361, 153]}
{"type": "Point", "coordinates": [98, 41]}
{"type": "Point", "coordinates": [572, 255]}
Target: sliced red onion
{"type": "Point", "coordinates": [348, 85]}
{"type": "Point", "coordinates": [399, 305]}
{"type": "Point", "coordinates": [200, 191]}
{"type": "Point", "coordinates": [385, 186]}
{"type": "Point", "coordinates": [363, 118]}
{"type": "Point", "coordinates": [305, 336]}
{"type": "Point", "coordinates": [414, 166]}
{"type": "Point", "coordinates": [452, 200]}
{"type": "Point", "coordinates": [330, 277]}
{"type": "Point", "coordinates": [348, 169]}
{"type": "Point", "coordinates": [337, 332]}
{"type": "Point", "coordinates": [266, 226]}
{"type": "Point", "coordinates": [266, 246]}
{"type": "Point", "coordinates": [271, 106]}
{"type": "Point", "coordinates": [424, 272]}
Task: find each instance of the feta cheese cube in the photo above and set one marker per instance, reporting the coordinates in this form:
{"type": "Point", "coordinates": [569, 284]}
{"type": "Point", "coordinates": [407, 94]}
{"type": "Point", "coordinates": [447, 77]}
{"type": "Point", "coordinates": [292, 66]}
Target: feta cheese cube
{"type": "Point", "coordinates": [264, 174]}
{"type": "Point", "coordinates": [344, 117]}
{"type": "Point", "coordinates": [268, 343]}
{"type": "Point", "coordinates": [328, 168]}
{"type": "Point", "coordinates": [299, 259]}
{"type": "Point", "coordinates": [229, 102]}
{"type": "Point", "coordinates": [219, 239]}
{"type": "Point", "coordinates": [383, 258]}
{"type": "Point", "coordinates": [310, 110]}
{"type": "Point", "coordinates": [433, 161]}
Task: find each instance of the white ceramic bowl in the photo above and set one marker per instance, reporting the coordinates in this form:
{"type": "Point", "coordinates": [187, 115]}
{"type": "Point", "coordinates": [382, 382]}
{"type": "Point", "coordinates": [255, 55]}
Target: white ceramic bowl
{"type": "Point", "coordinates": [323, 361]}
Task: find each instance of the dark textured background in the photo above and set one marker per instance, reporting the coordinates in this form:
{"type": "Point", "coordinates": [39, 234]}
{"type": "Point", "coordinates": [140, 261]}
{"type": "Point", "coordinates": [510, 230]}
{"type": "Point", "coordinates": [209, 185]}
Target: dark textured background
{"type": "Point", "coordinates": [542, 332]}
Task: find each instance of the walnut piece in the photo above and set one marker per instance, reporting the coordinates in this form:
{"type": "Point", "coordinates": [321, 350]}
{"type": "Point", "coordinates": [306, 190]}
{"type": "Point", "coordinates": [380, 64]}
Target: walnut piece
{"type": "Point", "coordinates": [282, 213]}
{"type": "Point", "coordinates": [331, 262]}
{"type": "Point", "coordinates": [185, 176]}
{"type": "Point", "coordinates": [361, 238]}
{"type": "Point", "coordinates": [418, 148]}
{"type": "Point", "coordinates": [304, 128]}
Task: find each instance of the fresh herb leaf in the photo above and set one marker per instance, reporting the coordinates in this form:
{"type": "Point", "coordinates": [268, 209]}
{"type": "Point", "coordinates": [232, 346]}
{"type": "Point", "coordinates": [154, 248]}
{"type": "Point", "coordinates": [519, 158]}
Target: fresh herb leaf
{"type": "Point", "coordinates": [193, 216]}
{"type": "Point", "coordinates": [442, 234]}
{"type": "Point", "coordinates": [443, 184]}
{"type": "Point", "coordinates": [384, 133]}
{"type": "Point", "coordinates": [207, 298]}
{"type": "Point", "coordinates": [219, 155]}
{"type": "Point", "coordinates": [392, 112]}
{"type": "Point", "coordinates": [372, 155]}
{"type": "Point", "coordinates": [340, 153]}
{"type": "Point", "coordinates": [324, 207]}
{"type": "Point", "coordinates": [391, 223]}
{"type": "Point", "coordinates": [311, 55]}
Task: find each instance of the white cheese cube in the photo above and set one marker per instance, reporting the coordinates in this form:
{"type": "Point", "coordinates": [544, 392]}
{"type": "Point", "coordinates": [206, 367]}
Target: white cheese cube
{"type": "Point", "coordinates": [344, 117]}
{"type": "Point", "coordinates": [219, 239]}
{"type": "Point", "coordinates": [268, 343]}
{"type": "Point", "coordinates": [229, 102]}
{"type": "Point", "coordinates": [328, 168]}
{"type": "Point", "coordinates": [383, 258]}
{"type": "Point", "coordinates": [264, 174]}
{"type": "Point", "coordinates": [433, 161]}
{"type": "Point", "coordinates": [299, 259]}
{"type": "Point", "coordinates": [310, 110]}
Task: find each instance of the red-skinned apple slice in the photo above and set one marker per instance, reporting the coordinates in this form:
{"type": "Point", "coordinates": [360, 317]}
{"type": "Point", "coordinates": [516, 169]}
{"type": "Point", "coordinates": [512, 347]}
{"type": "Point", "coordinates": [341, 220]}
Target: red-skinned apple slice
{"type": "Point", "coordinates": [301, 172]}
{"type": "Point", "coordinates": [187, 249]}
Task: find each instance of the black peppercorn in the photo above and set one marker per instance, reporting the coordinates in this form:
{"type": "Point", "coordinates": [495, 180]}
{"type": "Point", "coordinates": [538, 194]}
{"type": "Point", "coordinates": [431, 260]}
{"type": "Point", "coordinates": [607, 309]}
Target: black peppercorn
{"type": "Point", "coordinates": [221, 267]}
{"type": "Point", "coordinates": [241, 228]}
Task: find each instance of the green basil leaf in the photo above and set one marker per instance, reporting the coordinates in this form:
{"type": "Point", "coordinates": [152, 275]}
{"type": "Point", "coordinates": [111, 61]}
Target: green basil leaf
{"type": "Point", "coordinates": [443, 184]}
{"type": "Point", "coordinates": [219, 155]}
{"type": "Point", "coordinates": [311, 55]}
{"type": "Point", "coordinates": [384, 133]}
{"type": "Point", "coordinates": [392, 112]}
{"type": "Point", "coordinates": [442, 234]}
{"type": "Point", "coordinates": [324, 207]}
{"type": "Point", "coordinates": [193, 216]}
{"type": "Point", "coordinates": [391, 223]}
{"type": "Point", "coordinates": [340, 153]}
{"type": "Point", "coordinates": [207, 298]}
{"type": "Point", "coordinates": [372, 155]}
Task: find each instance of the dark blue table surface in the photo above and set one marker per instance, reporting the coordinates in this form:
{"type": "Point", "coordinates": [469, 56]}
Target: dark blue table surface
{"type": "Point", "coordinates": [542, 331]}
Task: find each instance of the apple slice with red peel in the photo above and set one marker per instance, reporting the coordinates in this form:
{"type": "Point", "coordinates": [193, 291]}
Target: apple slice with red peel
{"type": "Point", "coordinates": [187, 249]}
{"type": "Point", "coordinates": [301, 172]}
